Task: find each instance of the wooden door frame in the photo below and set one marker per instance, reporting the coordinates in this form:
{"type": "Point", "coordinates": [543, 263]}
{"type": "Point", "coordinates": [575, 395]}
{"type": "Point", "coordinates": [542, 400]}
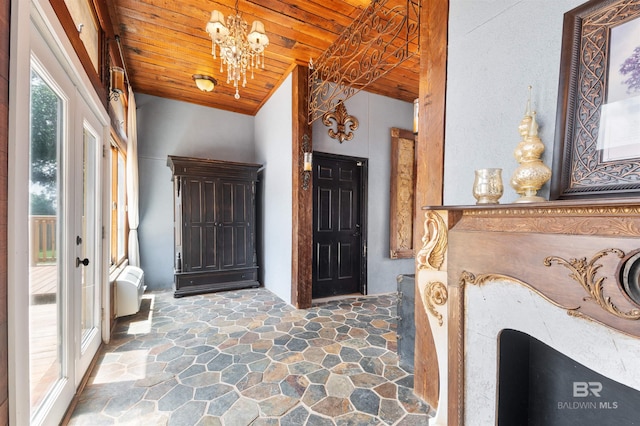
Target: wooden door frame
{"type": "Point", "coordinates": [434, 18]}
{"type": "Point", "coordinates": [364, 197]}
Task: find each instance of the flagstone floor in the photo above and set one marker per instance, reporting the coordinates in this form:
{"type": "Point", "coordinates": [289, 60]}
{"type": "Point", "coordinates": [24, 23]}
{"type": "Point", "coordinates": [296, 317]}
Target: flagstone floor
{"type": "Point", "coordinates": [246, 358]}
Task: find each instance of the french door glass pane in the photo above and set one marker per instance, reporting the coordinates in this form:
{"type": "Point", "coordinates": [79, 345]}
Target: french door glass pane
{"type": "Point", "coordinates": [45, 330]}
{"type": "Point", "coordinates": [87, 241]}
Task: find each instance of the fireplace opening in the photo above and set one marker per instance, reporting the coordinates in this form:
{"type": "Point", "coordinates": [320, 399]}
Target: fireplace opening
{"type": "Point", "coordinates": [539, 386]}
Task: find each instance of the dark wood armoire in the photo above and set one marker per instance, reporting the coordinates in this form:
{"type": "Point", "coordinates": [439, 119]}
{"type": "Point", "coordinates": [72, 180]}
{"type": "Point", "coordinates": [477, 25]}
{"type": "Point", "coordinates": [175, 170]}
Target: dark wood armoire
{"type": "Point", "coordinates": [214, 225]}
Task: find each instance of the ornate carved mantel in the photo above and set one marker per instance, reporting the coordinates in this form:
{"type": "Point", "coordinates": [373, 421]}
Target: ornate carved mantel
{"type": "Point", "coordinates": [580, 256]}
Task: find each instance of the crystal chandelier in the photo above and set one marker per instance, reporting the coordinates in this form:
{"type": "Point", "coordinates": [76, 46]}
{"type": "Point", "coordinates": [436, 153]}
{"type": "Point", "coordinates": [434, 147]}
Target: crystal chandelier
{"type": "Point", "coordinates": [238, 50]}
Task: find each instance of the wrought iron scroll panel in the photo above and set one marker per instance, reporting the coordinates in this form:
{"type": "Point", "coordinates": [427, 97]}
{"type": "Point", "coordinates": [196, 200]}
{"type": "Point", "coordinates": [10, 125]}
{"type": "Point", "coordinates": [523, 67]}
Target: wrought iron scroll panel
{"type": "Point", "coordinates": [381, 38]}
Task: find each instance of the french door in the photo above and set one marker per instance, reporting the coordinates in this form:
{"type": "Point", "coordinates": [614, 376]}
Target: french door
{"type": "Point", "coordinates": [87, 238]}
{"type": "Point", "coordinates": [59, 170]}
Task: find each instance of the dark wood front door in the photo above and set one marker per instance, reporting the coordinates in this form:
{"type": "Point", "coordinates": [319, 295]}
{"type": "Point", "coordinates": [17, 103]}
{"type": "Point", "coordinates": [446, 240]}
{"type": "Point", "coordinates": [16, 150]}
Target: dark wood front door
{"type": "Point", "coordinates": [339, 255]}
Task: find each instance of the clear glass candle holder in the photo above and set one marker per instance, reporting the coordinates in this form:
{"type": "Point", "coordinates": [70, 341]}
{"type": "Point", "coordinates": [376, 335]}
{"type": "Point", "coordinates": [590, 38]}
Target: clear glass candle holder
{"type": "Point", "coordinates": [487, 186]}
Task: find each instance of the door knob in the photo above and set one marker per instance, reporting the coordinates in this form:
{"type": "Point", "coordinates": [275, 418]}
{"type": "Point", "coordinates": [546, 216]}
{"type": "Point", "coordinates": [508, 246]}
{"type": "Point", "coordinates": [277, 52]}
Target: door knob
{"type": "Point", "coordinates": [84, 261]}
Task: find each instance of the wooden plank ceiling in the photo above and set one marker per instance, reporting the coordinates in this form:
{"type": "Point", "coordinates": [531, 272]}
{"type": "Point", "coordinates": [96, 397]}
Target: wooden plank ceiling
{"type": "Point", "coordinates": [164, 43]}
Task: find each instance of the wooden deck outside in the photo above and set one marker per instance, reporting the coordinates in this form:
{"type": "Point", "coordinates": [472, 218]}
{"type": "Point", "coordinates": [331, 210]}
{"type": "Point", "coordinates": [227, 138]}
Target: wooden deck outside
{"type": "Point", "coordinates": [43, 330]}
{"type": "Point", "coordinates": [43, 279]}
{"type": "Point", "coordinates": [43, 239]}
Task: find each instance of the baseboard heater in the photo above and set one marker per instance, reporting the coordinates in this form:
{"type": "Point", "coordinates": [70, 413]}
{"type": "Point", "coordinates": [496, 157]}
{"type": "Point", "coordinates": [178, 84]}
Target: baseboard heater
{"type": "Point", "coordinates": [129, 290]}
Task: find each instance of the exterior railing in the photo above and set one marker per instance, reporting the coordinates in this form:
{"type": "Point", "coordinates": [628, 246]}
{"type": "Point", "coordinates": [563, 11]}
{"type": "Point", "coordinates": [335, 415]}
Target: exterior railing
{"type": "Point", "coordinates": [43, 244]}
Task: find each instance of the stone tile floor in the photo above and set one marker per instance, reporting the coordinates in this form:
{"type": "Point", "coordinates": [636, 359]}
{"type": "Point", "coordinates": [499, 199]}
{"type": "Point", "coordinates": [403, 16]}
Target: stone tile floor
{"type": "Point", "coordinates": [247, 358]}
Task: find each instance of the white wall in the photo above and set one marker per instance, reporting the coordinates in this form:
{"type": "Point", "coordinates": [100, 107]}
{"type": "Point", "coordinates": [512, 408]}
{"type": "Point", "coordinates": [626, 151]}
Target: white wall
{"type": "Point", "coordinates": [273, 138]}
{"type": "Point", "coordinates": [376, 115]}
{"type": "Point", "coordinates": [497, 48]}
{"type": "Point", "coordinates": [167, 127]}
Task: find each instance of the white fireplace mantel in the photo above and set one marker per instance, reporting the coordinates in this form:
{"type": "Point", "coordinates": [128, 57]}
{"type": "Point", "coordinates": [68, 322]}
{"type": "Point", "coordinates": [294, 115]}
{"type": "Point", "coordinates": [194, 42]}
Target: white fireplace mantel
{"type": "Point", "coordinates": [552, 270]}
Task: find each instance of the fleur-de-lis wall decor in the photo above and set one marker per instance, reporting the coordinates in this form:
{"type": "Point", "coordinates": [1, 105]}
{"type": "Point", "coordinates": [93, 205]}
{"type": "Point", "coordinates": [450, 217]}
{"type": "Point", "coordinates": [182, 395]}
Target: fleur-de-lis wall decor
{"type": "Point", "coordinates": [346, 124]}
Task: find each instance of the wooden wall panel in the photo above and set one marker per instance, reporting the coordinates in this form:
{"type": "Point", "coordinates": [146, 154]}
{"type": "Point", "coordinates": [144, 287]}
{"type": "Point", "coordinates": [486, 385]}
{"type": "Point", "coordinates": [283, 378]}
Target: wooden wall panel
{"type": "Point", "coordinates": [426, 375]}
{"type": "Point", "coordinates": [4, 140]}
{"type": "Point", "coordinates": [434, 16]}
{"type": "Point", "coordinates": [431, 121]}
{"type": "Point", "coordinates": [302, 214]}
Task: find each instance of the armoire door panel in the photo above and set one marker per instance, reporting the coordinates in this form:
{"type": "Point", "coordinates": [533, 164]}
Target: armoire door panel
{"type": "Point", "coordinates": [193, 198]}
{"type": "Point", "coordinates": [200, 233]}
{"type": "Point", "coordinates": [193, 260]}
{"type": "Point", "coordinates": [226, 251]}
{"type": "Point", "coordinates": [227, 202]}
{"type": "Point", "coordinates": [236, 247]}
{"type": "Point", "coordinates": [210, 248]}
{"type": "Point", "coordinates": [209, 200]}
{"type": "Point", "coordinates": [240, 245]}
{"type": "Point", "coordinates": [240, 211]}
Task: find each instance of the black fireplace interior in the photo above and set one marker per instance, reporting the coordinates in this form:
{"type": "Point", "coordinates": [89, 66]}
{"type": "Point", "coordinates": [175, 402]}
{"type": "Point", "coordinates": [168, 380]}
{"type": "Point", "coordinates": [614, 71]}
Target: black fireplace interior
{"type": "Point", "coordinates": [539, 386]}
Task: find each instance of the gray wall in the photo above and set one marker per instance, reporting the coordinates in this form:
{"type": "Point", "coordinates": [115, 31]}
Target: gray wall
{"type": "Point", "coordinates": [497, 48]}
{"type": "Point", "coordinates": [372, 140]}
{"type": "Point", "coordinates": [273, 133]}
{"type": "Point", "coordinates": [165, 128]}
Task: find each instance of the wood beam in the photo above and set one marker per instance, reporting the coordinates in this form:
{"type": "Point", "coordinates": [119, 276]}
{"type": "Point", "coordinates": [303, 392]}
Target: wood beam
{"type": "Point", "coordinates": [432, 92]}
{"type": "Point", "coordinates": [302, 214]}
{"type": "Point", "coordinates": [434, 18]}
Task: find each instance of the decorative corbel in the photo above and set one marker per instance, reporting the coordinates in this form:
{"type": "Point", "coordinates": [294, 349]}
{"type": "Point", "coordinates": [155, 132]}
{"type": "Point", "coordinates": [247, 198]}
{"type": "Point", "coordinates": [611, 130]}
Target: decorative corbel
{"type": "Point", "coordinates": [346, 124]}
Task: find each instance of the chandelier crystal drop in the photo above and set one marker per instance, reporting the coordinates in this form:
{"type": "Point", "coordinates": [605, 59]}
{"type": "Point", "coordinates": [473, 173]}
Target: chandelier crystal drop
{"type": "Point", "coordinates": [239, 51]}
